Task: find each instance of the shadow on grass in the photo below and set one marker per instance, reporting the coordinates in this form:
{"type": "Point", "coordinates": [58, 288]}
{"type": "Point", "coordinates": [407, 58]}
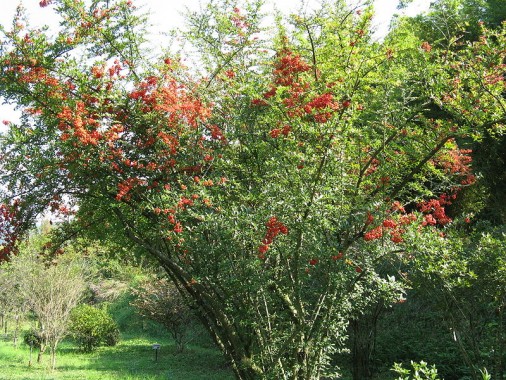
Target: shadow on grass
{"type": "Point", "coordinates": [135, 358]}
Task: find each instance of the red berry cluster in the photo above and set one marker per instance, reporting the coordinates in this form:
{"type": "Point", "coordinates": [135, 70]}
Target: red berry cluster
{"type": "Point", "coordinates": [435, 211]}
{"type": "Point", "coordinates": [274, 228]}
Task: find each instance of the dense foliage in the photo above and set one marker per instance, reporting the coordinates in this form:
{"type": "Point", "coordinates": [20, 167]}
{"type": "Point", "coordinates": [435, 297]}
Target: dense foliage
{"type": "Point", "coordinates": [92, 327]}
{"type": "Point", "coordinates": [280, 186]}
{"type": "Point", "coordinates": [454, 312]}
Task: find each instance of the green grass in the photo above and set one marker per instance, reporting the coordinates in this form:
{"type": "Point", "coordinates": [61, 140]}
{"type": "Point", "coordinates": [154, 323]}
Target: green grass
{"type": "Point", "coordinates": [132, 359]}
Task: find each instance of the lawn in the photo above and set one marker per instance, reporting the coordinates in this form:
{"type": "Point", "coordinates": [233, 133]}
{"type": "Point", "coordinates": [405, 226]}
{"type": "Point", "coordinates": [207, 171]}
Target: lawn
{"type": "Point", "coordinates": [133, 358]}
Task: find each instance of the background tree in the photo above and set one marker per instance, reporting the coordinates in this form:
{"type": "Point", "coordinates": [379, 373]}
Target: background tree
{"type": "Point", "coordinates": [159, 300]}
{"type": "Point", "coordinates": [272, 185]}
{"type": "Point", "coordinates": [12, 306]}
{"type": "Point", "coordinates": [51, 289]}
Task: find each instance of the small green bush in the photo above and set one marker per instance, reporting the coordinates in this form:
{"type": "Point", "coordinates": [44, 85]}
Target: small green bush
{"type": "Point", "coordinates": [92, 327]}
{"type": "Point", "coordinates": [32, 338]}
{"type": "Point", "coordinates": [420, 371]}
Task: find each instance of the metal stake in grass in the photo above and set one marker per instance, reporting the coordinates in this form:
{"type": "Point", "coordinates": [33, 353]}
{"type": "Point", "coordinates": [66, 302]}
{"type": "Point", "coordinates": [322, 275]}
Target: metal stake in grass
{"type": "Point", "coordinates": [156, 348]}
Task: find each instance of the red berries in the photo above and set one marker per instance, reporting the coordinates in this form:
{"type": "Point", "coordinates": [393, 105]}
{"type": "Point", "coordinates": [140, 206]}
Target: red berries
{"type": "Point", "coordinates": [389, 223]}
{"type": "Point", "coordinates": [274, 228]}
{"type": "Point", "coordinates": [426, 46]}
{"type": "Point", "coordinates": [338, 256]}
{"type": "Point", "coordinates": [280, 131]}
{"type": "Point", "coordinates": [375, 233]}
{"type": "Point", "coordinates": [178, 228]}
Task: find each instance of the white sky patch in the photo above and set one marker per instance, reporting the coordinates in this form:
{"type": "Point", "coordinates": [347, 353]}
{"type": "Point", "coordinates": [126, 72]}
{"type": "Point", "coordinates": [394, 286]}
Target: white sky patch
{"type": "Point", "coordinates": [167, 14]}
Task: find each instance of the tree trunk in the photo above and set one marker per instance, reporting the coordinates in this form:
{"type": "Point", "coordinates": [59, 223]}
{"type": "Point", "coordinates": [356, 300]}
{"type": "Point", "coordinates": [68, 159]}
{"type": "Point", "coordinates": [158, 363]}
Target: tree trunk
{"type": "Point", "coordinates": [16, 331]}
{"type": "Point", "coordinates": [223, 330]}
{"type": "Point", "coordinates": [500, 346]}
{"type": "Point", "coordinates": [360, 353]}
{"type": "Point", "coordinates": [53, 356]}
{"type": "Point", "coordinates": [363, 340]}
{"type": "Point", "coordinates": [30, 359]}
{"type": "Point", "coordinates": [42, 348]}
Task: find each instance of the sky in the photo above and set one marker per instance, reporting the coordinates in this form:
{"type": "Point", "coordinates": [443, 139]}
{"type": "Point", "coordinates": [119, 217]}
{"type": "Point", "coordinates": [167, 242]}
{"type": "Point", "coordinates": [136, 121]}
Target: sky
{"type": "Point", "coordinates": [166, 14]}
